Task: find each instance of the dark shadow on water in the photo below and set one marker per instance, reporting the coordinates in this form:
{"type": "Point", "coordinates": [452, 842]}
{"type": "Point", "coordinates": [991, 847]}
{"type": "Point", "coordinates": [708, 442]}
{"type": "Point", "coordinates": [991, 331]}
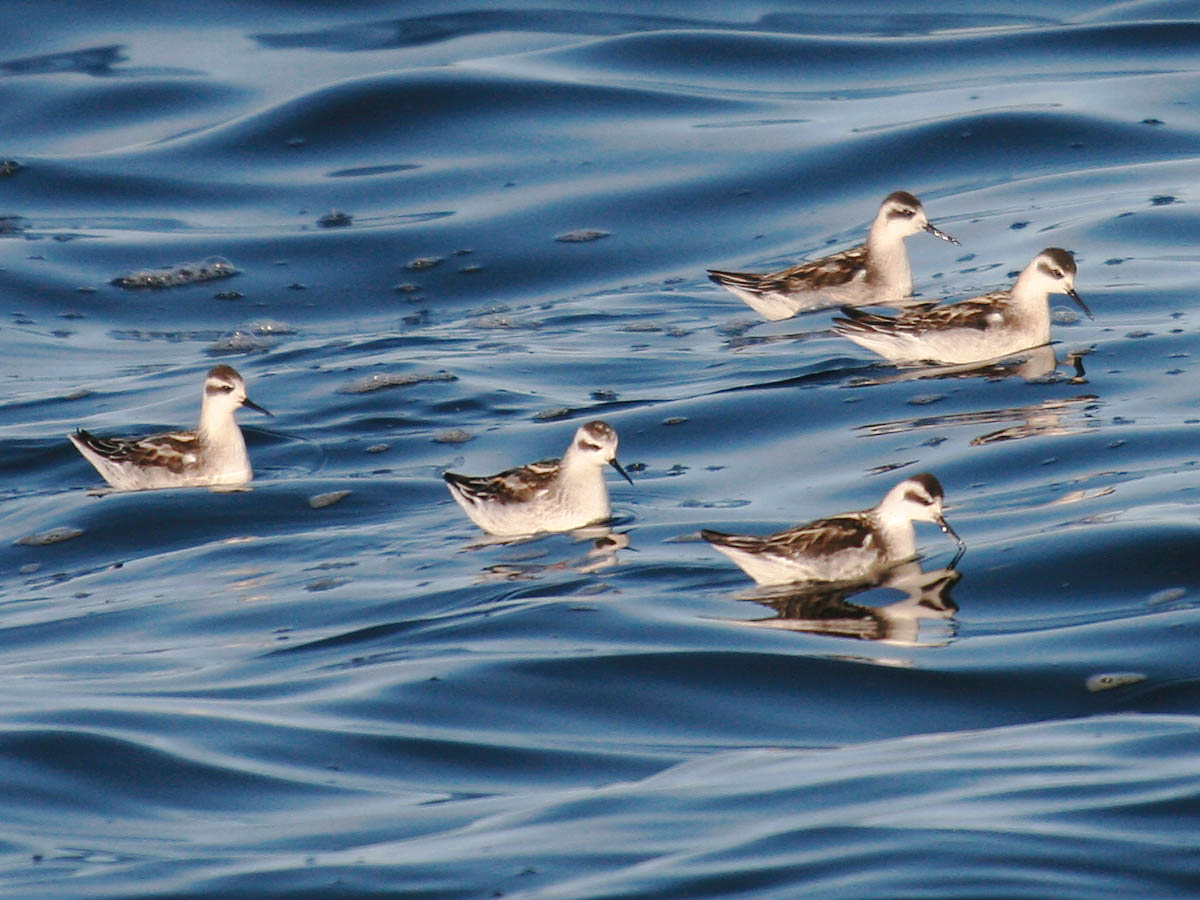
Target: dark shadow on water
{"type": "Point", "coordinates": [93, 61]}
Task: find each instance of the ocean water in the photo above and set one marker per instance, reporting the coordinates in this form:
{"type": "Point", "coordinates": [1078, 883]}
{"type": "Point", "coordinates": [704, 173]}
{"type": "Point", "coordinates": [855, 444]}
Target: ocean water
{"type": "Point", "coordinates": [259, 694]}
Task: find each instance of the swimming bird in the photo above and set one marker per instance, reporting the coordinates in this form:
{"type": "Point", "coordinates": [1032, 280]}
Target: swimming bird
{"type": "Point", "coordinates": [212, 455]}
{"type": "Point", "coordinates": [876, 272]}
{"type": "Point", "coordinates": [847, 547]}
{"type": "Point", "coordinates": [983, 328]}
{"type": "Point", "coordinates": [550, 495]}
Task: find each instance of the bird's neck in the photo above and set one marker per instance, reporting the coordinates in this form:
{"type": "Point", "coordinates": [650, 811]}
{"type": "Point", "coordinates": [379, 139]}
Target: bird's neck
{"type": "Point", "coordinates": [887, 263]}
{"type": "Point", "coordinates": [218, 426]}
{"type": "Point", "coordinates": [1033, 301]}
{"type": "Point", "coordinates": [898, 534]}
{"type": "Point", "coordinates": [1027, 292]}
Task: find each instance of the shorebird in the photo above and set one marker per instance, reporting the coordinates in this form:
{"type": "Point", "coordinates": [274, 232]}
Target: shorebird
{"type": "Point", "coordinates": [873, 273]}
{"type": "Point", "coordinates": [844, 548]}
{"type": "Point", "coordinates": [212, 455]}
{"type": "Point", "coordinates": [979, 329]}
{"type": "Point", "coordinates": [550, 495]}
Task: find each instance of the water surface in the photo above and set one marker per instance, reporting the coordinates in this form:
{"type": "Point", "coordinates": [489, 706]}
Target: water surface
{"type": "Point", "coordinates": [244, 695]}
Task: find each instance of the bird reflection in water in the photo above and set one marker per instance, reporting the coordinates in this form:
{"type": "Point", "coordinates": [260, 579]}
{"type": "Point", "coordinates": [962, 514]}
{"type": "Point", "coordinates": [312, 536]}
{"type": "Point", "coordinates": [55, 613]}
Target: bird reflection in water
{"type": "Point", "coordinates": [924, 617]}
{"type": "Point", "coordinates": [1036, 364]}
{"type": "Point", "coordinates": [1068, 415]}
{"type": "Point", "coordinates": [606, 544]}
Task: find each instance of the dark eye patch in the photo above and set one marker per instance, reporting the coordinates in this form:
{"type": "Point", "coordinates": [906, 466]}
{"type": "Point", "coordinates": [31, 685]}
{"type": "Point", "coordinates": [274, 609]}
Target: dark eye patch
{"type": "Point", "coordinates": [914, 497]}
{"type": "Point", "coordinates": [587, 445]}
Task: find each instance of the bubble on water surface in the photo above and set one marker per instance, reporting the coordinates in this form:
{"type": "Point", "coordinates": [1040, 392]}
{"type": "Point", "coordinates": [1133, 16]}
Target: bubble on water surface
{"type": "Point", "coordinates": [320, 501]}
{"type": "Point", "coordinates": [177, 275]}
{"type": "Point", "coordinates": [1106, 681]}
{"type": "Point", "coordinates": [269, 326]}
{"type": "Point", "coordinates": [382, 380]}
{"type": "Point", "coordinates": [422, 262]}
{"type": "Point", "coordinates": [240, 342]}
{"type": "Point", "coordinates": [582, 236]}
{"type": "Point", "coordinates": [51, 536]}
{"type": "Point", "coordinates": [925, 399]}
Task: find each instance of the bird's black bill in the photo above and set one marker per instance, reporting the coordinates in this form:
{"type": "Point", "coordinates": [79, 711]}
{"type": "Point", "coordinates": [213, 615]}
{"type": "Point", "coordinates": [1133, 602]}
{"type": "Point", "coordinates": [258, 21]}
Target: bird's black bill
{"type": "Point", "coordinates": [250, 403]}
{"type": "Point", "coordinates": [1074, 296]}
{"type": "Point", "coordinates": [945, 526]}
{"type": "Point", "coordinates": [616, 465]}
{"type": "Point", "coordinates": [937, 232]}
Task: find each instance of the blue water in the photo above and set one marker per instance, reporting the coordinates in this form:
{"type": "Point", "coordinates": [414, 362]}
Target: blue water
{"type": "Point", "coordinates": [246, 695]}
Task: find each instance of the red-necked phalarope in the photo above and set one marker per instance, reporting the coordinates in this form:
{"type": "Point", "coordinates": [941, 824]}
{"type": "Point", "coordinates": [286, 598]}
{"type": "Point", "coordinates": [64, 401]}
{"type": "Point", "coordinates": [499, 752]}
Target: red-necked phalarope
{"type": "Point", "coordinates": [990, 327]}
{"type": "Point", "coordinates": [876, 272]}
{"type": "Point", "coordinates": [843, 548]}
{"type": "Point", "coordinates": [212, 455]}
{"type": "Point", "coordinates": [550, 495]}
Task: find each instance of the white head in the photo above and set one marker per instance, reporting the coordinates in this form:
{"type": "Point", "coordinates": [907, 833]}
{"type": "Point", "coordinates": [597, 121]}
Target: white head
{"type": "Point", "coordinates": [1053, 272]}
{"type": "Point", "coordinates": [917, 499]}
{"type": "Point", "coordinates": [224, 393]}
{"type": "Point", "coordinates": [596, 443]}
{"type": "Point", "coordinates": [901, 214]}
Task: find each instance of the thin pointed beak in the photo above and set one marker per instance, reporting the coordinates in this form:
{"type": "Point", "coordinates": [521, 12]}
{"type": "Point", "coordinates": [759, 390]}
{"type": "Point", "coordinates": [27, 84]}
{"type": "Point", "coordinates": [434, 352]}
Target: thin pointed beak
{"type": "Point", "coordinates": [1074, 296]}
{"type": "Point", "coordinates": [945, 526]}
{"type": "Point", "coordinates": [250, 403]}
{"type": "Point", "coordinates": [937, 232]}
{"type": "Point", "coordinates": [616, 465]}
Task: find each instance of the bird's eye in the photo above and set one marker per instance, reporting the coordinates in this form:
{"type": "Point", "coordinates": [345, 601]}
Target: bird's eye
{"type": "Point", "coordinates": [227, 388]}
{"type": "Point", "coordinates": [908, 213]}
{"type": "Point", "coordinates": [1057, 273]}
